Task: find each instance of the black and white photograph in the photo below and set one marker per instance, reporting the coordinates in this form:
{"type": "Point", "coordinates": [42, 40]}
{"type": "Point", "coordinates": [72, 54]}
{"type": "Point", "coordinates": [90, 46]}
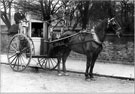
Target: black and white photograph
{"type": "Point", "coordinates": [67, 46]}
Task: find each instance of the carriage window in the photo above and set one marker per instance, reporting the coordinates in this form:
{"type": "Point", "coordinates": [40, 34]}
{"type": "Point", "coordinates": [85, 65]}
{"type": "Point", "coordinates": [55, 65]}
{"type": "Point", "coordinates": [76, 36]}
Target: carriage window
{"type": "Point", "coordinates": [37, 29]}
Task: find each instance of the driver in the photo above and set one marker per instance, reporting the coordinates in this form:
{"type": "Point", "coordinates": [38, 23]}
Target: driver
{"type": "Point", "coordinates": [20, 20]}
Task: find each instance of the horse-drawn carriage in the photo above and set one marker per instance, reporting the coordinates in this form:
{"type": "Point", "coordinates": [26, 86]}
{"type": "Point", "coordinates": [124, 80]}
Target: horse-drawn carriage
{"type": "Point", "coordinates": [35, 44]}
{"type": "Point", "coordinates": [23, 47]}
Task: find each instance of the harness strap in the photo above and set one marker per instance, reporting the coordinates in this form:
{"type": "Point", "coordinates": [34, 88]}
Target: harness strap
{"type": "Point", "coordinates": [95, 37]}
{"type": "Point", "coordinates": [64, 37]}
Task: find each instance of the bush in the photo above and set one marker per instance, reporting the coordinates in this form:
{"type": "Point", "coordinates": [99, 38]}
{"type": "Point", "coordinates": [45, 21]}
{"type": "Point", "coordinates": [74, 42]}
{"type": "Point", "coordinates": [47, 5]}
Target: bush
{"type": "Point", "coordinates": [118, 52]}
{"type": "Point", "coordinates": [112, 53]}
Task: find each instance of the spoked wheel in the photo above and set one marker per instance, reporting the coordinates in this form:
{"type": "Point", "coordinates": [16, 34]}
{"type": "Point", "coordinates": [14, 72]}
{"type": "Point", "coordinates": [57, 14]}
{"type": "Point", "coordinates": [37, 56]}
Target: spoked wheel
{"type": "Point", "coordinates": [48, 63]}
{"type": "Point", "coordinates": [19, 52]}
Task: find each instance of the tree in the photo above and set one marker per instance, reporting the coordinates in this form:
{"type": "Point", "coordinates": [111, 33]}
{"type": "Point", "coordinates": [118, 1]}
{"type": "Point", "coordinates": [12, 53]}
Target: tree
{"type": "Point", "coordinates": [6, 6]}
{"type": "Point", "coordinates": [44, 9]}
{"type": "Point", "coordinates": [84, 8]}
{"type": "Point", "coordinates": [127, 16]}
{"type": "Point", "coordinates": [78, 12]}
{"type": "Point", "coordinates": [67, 10]}
{"type": "Point", "coordinates": [93, 11]}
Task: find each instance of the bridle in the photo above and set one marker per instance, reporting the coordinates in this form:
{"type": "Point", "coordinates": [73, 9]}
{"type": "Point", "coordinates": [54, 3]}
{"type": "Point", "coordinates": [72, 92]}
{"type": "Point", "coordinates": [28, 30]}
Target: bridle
{"type": "Point", "coordinates": [115, 22]}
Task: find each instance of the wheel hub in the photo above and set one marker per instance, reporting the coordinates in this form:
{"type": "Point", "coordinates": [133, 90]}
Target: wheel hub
{"type": "Point", "coordinates": [18, 53]}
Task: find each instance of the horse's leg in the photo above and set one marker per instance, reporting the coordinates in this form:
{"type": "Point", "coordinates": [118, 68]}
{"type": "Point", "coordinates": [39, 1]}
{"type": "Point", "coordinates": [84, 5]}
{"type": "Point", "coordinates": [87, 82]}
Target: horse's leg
{"type": "Point", "coordinates": [94, 58]}
{"type": "Point", "coordinates": [59, 72]}
{"type": "Point", "coordinates": [88, 64]}
{"type": "Point", "coordinates": [64, 61]}
{"type": "Point", "coordinates": [64, 66]}
{"type": "Point", "coordinates": [92, 65]}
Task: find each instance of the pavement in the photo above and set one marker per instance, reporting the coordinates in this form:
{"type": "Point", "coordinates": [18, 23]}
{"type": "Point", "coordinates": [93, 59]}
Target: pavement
{"type": "Point", "coordinates": [116, 70]}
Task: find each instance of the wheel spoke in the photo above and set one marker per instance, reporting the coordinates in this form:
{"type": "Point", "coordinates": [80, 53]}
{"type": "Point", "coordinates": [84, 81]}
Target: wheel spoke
{"type": "Point", "coordinates": [24, 64]}
{"type": "Point", "coordinates": [41, 60]}
{"type": "Point", "coordinates": [44, 63]}
{"type": "Point", "coordinates": [52, 63]}
{"type": "Point", "coordinates": [23, 59]}
{"type": "Point", "coordinates": [14, 64]}
{"type": "Point", "coordinates": [18, 63]}
{"type": "Point", "coordinates": [13, 48]}
{"type": "Point", "coordinates": [15, 44]}
{"type": "Point", "coordinates": [12, 51]}
{"type": "Point", "coordinates": [13, 60]}
{"type": "Point", "coordinates": [49, 63]}
{"type": "Point", "coordinates": [12, 55]}
{"type": "Point", "coordinates": [23, 50]}
{"type": "Point", "coordinates": [21, 63]}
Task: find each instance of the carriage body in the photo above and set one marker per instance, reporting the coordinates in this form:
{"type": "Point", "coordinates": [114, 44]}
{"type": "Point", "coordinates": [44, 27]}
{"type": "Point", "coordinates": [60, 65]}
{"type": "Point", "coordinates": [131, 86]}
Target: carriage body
{"type": "Point", "coordinates": [41, 37]}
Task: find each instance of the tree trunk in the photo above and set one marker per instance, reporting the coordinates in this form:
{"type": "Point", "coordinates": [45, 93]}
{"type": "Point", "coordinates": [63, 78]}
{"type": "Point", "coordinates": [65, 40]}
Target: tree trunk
{"type": "Point", "coordinates": [5, 19]}
{"type": "Point", "coordinates": [9, 13]}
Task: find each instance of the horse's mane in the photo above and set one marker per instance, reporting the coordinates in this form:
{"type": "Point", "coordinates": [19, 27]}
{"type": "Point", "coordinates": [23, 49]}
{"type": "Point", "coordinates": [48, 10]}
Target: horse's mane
{"type": "Point", "coordinates": [100, 25]}
{"type": "Point", "coordinates": [101, 29]}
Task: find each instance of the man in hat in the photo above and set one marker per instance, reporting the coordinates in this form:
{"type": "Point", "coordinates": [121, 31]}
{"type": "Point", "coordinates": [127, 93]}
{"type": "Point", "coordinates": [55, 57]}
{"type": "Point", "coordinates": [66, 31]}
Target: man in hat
{"type": "Point", "coordinates": [19, 16]}
{"type": "Point", "coordinates": [20, 19]}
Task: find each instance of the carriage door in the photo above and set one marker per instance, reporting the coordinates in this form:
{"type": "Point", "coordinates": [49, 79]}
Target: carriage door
{"type": "Point", "coordinates": [36, 34]}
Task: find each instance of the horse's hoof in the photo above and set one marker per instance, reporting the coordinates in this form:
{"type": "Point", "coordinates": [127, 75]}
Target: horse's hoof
{"type": "Point", "coordinates": [92, 79]}
{"type": "Point", "coordinates": [66, 74]}
{"type": "Point", "coordinates": [60, 74]}
{"type": "Point", "coordinates": [87, 79]}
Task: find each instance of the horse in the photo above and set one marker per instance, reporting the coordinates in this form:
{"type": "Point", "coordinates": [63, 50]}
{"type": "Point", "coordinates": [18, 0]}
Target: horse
{"type": "Point", "coordinates": [88, 42]}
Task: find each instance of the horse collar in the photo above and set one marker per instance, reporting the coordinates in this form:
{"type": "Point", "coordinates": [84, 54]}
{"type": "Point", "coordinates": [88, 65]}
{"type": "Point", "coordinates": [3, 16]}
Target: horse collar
{"type": "Point", "coordinates": [95, 37]}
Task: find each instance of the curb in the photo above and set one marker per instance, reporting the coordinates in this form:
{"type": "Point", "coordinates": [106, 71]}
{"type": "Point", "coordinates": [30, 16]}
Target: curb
{"type": "Point", "coordinates": [95, 74]}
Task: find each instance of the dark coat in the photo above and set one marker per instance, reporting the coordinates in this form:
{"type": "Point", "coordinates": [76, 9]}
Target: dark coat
{"type": "Point", "coordinates": [18, 17]}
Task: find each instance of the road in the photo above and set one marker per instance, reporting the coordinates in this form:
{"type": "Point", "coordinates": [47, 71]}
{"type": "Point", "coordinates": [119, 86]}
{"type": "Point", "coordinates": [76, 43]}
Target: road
{"type": "Point", "coordinates": [48, 81]}
{"type": "Point", "coordinates": [118, 70]}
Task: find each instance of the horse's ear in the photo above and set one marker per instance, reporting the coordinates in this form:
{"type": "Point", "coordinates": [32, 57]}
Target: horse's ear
{"type": "Point", "coordinates": [110, 19]}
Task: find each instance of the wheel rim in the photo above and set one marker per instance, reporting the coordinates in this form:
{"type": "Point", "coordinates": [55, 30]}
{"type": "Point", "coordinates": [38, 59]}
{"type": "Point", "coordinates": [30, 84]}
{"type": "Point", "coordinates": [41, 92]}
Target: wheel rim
{"type": "Point", "coordinates": [18, 50]}
{"type": "Point", "coordinates": [48, 63]}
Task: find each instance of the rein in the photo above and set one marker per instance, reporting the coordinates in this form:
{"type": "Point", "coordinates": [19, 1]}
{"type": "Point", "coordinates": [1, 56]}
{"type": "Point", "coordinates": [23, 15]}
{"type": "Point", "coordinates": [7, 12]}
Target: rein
{"type": "Point", "coordinates": [84, 42]}
{"type": "Point", "coordinates": [57, 40]}
{"type": "Point", "coordinates": [64, 38]}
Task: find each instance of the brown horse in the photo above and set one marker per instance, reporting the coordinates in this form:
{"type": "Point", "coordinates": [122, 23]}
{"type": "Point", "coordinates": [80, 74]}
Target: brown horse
{"type": "Point", "coordinates": [88, 43]}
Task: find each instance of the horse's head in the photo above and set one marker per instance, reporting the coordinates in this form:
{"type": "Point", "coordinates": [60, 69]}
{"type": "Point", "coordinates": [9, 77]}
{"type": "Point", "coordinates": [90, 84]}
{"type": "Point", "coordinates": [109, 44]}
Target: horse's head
{"type": "Point", "coordinates": [115, 26]}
